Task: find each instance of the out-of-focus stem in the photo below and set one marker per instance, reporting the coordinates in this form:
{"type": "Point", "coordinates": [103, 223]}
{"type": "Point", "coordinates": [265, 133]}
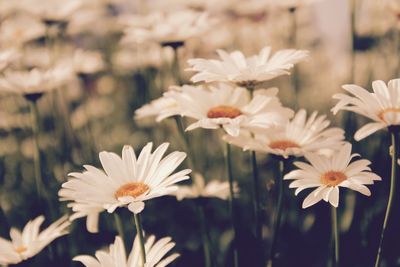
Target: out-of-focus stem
{"type": "Point", "coordinates": [392, 193]}
{"type": "Point", "coordinates": [335, 233]}
{"type": "Point", "coordinates": [119, 226]}
{"type": "Point", "coordinates": [36, 150]}
{"type": "Point", "coordinates": [256, 197]}
{"type": "Point", "coordinates": [185, 138]}
{"type": "Point", "coordinates": [278, 215]}
{"type": "Point", "coordinates": [204, 236]}
{"type": "Point", "coordinates": [228, 158]}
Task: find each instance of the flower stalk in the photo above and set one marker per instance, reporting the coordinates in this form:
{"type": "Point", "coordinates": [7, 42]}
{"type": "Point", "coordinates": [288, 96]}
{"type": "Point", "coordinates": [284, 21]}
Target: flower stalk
{"type": "Point", "coordinates": [119, 226]}
{"type": "Point", "coordinates": [36, 151]}
{"type": "Point", "coordinates": [204, 236]}
{"type": "Point", "coordinates": [278, 216]}
{"type": "Point", "coordinates": [335, 234]}
{"type": "Point", "coordinates": [393, 181]}
{"type": "Point", "coordinates": [228, 158]}
{"type": "Point", "coordinates": [139, 232]}
{"type": "Point", "coordinates": [256, 197]}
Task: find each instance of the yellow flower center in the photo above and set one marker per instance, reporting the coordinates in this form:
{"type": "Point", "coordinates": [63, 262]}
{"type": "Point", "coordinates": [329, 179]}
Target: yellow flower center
{"type": "Point", "coordinates": [283, 144]}
{"type": "Point", "coordinates": [133, 189]}
{"type": "Point", "coordinates": [333, 178]}
{"type": "Point", "coordinates": [223, 112]}
{"type": "Point", "coordinates": [382, 114]}
{"type": "Point", "coordinates": [21, 249]}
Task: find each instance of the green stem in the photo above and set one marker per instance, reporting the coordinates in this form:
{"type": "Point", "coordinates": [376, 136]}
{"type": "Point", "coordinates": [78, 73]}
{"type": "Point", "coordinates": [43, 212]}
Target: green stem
{"type": "Point", "coordinates": [278, 217]}
{"type": "Point", "coordinates": [228, 159]}
{"type": "Point", "coordinates": [119, 226]}
{"type": "Point", "coordinates": [204, 235]}
{"type": "Point", "coordinates": [176, 68]}
{"type": "Point", "coordinates": [335, 233]}
{"type": "Point", "coordinates": [256, 197]}
{"type": "Point", "coordinates": [139, 232]}
{"type": "Point", "coordinates": [185, 138]}
{"type": "Point", "coordinates": [395, 156]}
{"type": "Point", "coordinates": [36, 151]}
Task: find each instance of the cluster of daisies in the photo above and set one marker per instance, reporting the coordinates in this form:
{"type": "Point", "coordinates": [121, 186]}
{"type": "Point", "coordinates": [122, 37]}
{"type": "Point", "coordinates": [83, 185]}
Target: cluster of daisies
{"type": "Point", "coordinates": [229, 99]}
{"type": "Point", "coordinates": [227, 95]}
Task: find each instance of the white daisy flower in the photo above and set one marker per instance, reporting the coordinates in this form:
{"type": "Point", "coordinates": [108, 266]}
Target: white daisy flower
{"type": "Point", "coordinates": [52, 10]}
{"type": "Point", "coordinates": [297, 137]}
{"type": "Point", "coordinates": [30, 241]}
{"type": "Point", "coordinates": [6, 57]}
{"type": "Point", "coordinates": [290, 3]}
{"type": "Point", "coordinates": [82, 209]}
{"type": "Point", "coordinates": [14, 31]}
{"type": "Point", "coordinates": [330, 173]}
{"type": "Point", "coordinates": [35, 82]}
{"type": "Point", "coordinates": [160, 108]}
{"type": "Point", "coordinates": [230, 107]}
{"type": "Point", "coordinates": [165, 27]}
{"type": "Point", "coordinates": [127, 181]}
{"type": "Point", "coordinates": [87, 62]}
{"type": "Point", "coordinates": [382, 106]}
{"type": "Point", "coordinates": [245, 71]}
{"type": "Point", "coordinates": [116, 256]}
{"type": "Point", "coordinates": [199, 189]}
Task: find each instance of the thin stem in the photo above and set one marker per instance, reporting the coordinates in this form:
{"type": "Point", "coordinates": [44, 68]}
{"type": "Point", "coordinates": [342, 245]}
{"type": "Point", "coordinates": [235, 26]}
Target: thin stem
{"type": "Point", "coordinates": [139, 232]}
{"type": "Point", "coordinates": [204, 236]}
{"type": "Point", "coordinates": [185, 138]}
{"type": "Point", "coordinates": [176, 68]}
{"type": "Point", "coordinates": [278, 216]}
{"type": "Point", "coordinates": [36, 151]}
{"type": "Point", "coordinates": [119, 226]}
{"type": "Point", "coordinates": [256, 197]}
{"type": "Point", "coordinates": [228, 159]}
{"type": "Point", "coordinates": [395, 156]}
{"type": "Point", "coordinates": [335, 233]}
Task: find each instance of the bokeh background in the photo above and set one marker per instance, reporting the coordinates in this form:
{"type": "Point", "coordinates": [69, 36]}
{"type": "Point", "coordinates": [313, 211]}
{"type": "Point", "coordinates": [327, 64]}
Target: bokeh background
{"type": "Point", "coordinates": [349, 42]}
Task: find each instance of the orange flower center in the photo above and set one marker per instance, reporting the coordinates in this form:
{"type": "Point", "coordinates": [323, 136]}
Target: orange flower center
{"type": "Point", "coordinates": [382, 114]}
{"type": "Point", "coordinates": [283, 144]}
{"type": "Point", "coordinates": [133, 189]}
{"type": "Point", "coordinates": [21, 249]}
{"type": "Point", "coordinates": [223, 112]}
{"type": "Point", "coordinates": [333, 178]}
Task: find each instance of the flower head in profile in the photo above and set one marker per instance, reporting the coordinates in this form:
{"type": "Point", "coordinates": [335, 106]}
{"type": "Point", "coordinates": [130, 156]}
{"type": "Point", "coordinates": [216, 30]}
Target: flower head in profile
{"type": "Point", "coordinates": [83, 209]}
{"type": "Point", "coordinates": [201, 189]}
{"type": "Point", "coordinates": [327, 174]}
{"type": "Point", "coordinates": [230, 107]}
{"type": "Point", "coordinates": [31, 240]}
{"type": "Point", "coordinates": [14, 31]}
{"type": "Point", "coordinates": [298, 136]}
{"type": "Point", "coordinates": [245, 71]}
{"type": "Point", "coordinates": [156, 252]}
{"type": "Point", "coordinates": [36, 81]}
{"type": "Point", "coordinates": [166, 27]}
{"type": "Point", "coordinates": [127, 181]}
{"type": "Point", "coordinates": [7, 57]}
{"type": "Point", "coordinates": [87, 62]}
{"type": "Point", "coordinates": [382, 106]}
{"type": "Point", "coordinates": [52, 10]}
{"type": "Point", "coordinates": [160, 108]}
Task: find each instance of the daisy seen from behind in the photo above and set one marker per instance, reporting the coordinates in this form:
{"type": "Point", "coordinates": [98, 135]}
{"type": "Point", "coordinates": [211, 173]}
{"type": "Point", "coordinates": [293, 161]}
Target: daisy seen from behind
{"type": "Point", "coordinates": [327, 174]}
{"type": "Point", "coordinates": [236, 68]}
{"type": "Point", "coordinates": [382, 105]}
{"type": "Point", "coordinates": [201, 189]}
{"type": "Point", "coordinates": [156, 252]}
{"type": "Point", "coordinates": [30, 241]}
{"type": "Point", "coordinates": [127, 181]}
